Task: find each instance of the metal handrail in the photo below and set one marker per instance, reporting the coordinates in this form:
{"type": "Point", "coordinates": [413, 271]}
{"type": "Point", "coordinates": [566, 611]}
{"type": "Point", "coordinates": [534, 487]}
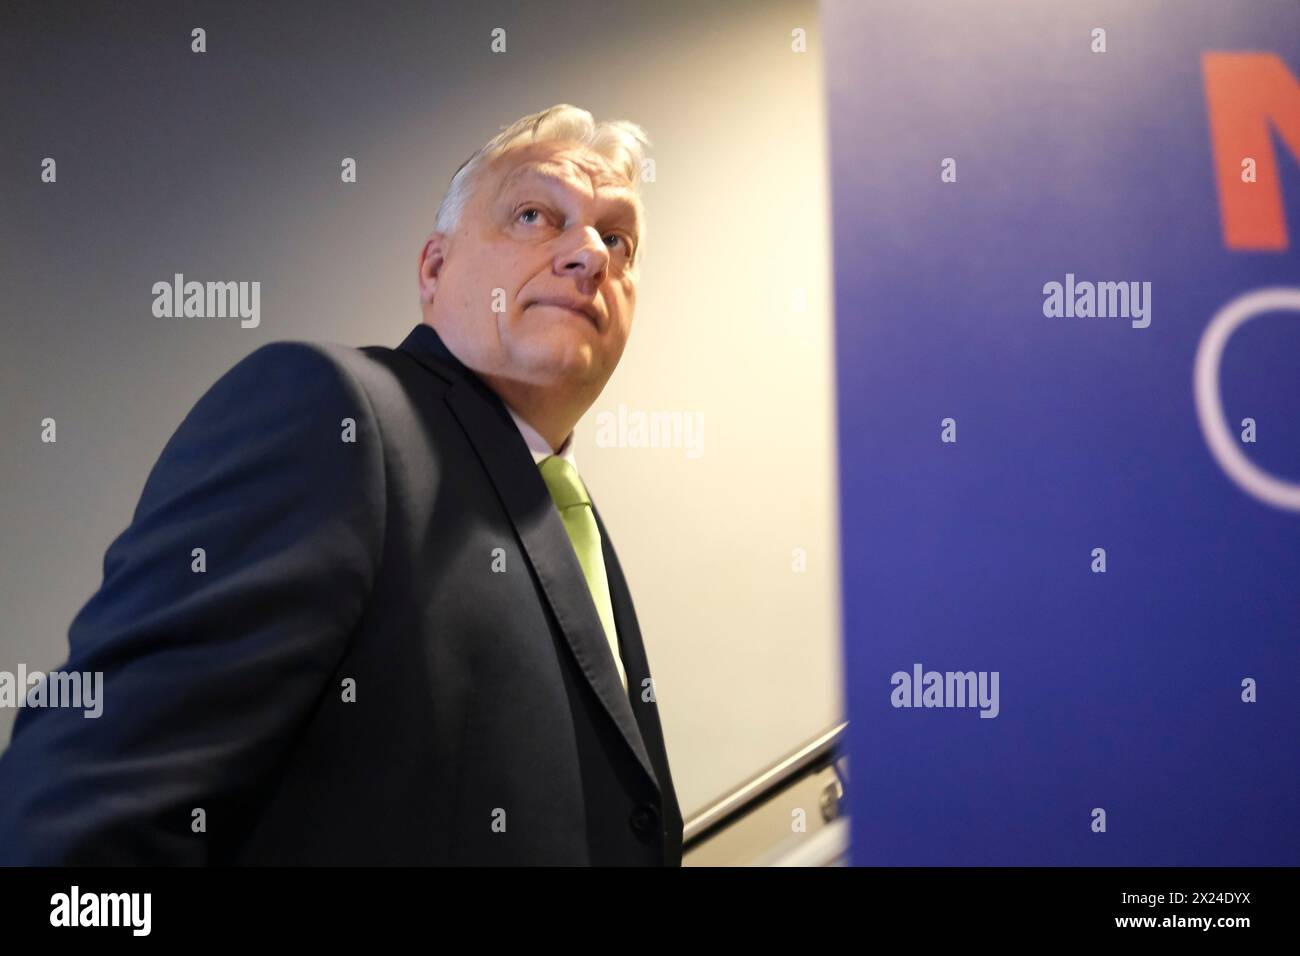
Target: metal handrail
{"type": "Point", "coordinates": [811, 756]}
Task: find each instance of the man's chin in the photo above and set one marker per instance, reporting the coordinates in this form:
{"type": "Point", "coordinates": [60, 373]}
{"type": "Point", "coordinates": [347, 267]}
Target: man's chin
{"type": "Point", "coordinates": [558, 364]}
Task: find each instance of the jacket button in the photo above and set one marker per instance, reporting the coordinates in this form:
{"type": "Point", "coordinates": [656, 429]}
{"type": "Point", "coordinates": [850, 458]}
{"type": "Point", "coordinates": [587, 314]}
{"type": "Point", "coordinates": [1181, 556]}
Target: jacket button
{"type": "Point", "coordinates": [645, 822]}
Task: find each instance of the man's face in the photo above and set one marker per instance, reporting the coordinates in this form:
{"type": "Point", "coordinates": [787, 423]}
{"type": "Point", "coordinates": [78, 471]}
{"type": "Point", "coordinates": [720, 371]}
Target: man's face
{"type": "Point", "coordinates": [556, 230]}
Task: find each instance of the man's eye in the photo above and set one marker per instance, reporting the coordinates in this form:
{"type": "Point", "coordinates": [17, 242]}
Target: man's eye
{"type": "Point", "coordinates": [627, 245]}
{"type": "Point", "coordinates": [530, 211]}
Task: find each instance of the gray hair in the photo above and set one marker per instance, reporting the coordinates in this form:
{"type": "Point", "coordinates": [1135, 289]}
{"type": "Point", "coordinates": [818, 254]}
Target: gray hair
{"type": "Point", "coordinates": [621, 142]}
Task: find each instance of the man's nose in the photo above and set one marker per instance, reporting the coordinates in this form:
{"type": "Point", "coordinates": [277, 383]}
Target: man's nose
{"type": "Point", "coordinates": [589, 260]}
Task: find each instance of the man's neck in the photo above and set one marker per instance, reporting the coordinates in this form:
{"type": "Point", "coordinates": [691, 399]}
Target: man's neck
{"type": "Point", "coordinates": [552, 416]}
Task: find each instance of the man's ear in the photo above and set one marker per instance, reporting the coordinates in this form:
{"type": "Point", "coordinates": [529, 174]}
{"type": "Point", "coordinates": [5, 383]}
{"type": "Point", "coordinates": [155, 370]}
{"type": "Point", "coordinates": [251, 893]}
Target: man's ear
{"type": "Point", "coordinates": [432, 256]}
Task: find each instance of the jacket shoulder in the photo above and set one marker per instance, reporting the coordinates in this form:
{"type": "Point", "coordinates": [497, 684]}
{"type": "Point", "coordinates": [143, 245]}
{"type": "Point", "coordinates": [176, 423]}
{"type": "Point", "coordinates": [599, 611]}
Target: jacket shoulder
{"type": "Point", "coordinates": [366, 364]}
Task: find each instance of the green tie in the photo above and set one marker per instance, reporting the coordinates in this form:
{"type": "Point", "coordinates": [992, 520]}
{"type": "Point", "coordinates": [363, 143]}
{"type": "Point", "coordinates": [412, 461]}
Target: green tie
{"type": "Point", "coordinates": [570, 497]}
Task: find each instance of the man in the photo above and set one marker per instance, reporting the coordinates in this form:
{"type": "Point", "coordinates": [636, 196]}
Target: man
{"type": "Point", "coordinates": [365, 611]}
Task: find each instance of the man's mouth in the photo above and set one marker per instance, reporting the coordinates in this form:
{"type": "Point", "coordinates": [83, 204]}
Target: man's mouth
{"type": "Point", "coordinates": [582, 312]}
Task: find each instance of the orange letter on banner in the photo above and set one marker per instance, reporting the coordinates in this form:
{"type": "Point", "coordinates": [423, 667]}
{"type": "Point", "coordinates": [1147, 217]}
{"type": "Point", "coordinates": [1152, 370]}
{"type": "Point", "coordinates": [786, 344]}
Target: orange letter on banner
{"type": "Point", "coordinates": [1244, 92]}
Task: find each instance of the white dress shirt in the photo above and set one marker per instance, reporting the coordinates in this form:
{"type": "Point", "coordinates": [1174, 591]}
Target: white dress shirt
{"type": "Point", "coordinates": [539, 446]}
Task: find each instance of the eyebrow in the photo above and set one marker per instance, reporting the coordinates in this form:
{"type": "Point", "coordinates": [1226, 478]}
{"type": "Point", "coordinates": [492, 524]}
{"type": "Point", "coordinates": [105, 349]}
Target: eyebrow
{"type": "Point", "coordinates": [627, 207]}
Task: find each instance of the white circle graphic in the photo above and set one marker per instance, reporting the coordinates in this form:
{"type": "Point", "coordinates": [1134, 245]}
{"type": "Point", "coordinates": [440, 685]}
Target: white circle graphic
{"type": "Point", "coordinates": [1252, 479]}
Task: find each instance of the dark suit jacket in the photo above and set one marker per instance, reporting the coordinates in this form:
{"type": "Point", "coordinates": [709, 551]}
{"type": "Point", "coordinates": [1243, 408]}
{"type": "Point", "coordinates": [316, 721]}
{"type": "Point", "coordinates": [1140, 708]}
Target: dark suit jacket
{"type": "Point", "coordinates": [489, 724]}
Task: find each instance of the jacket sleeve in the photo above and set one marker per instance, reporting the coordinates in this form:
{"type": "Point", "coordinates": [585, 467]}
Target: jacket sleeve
{"type": "Point", "coordinates": [210, 664]}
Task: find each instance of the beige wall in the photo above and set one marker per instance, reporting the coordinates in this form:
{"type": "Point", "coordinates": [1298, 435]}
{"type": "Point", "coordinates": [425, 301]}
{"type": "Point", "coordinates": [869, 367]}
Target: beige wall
{"type": "Point", "coordinates": [745, 649]}
{"type": "Point", "coordinates": [733, 322]}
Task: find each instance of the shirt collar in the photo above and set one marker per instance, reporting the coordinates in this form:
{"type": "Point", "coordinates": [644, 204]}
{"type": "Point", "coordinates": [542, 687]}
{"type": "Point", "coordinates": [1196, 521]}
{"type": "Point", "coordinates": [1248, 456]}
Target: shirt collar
{"type": "Point", "coordinates": [539, 446]}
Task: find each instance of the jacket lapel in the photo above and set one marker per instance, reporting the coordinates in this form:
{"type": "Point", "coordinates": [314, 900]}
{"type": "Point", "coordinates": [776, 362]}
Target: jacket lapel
{"type": "Point", "coordinates": [632, 648]}
{"type": "Point", "coordinates": [518, 483]}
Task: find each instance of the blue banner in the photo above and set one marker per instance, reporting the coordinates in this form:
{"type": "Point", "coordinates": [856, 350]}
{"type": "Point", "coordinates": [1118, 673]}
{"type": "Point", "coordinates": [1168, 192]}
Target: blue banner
{"type": "Point", "coordinates": [1068, 359]}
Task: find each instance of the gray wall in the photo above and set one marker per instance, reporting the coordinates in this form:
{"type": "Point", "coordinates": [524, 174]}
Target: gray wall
{"type": "Point", "coordinates": [225, 166]}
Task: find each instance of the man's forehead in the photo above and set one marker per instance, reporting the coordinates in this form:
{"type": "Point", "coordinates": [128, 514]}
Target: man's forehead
{"type": "Point", "coordinates": [587, 170]}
